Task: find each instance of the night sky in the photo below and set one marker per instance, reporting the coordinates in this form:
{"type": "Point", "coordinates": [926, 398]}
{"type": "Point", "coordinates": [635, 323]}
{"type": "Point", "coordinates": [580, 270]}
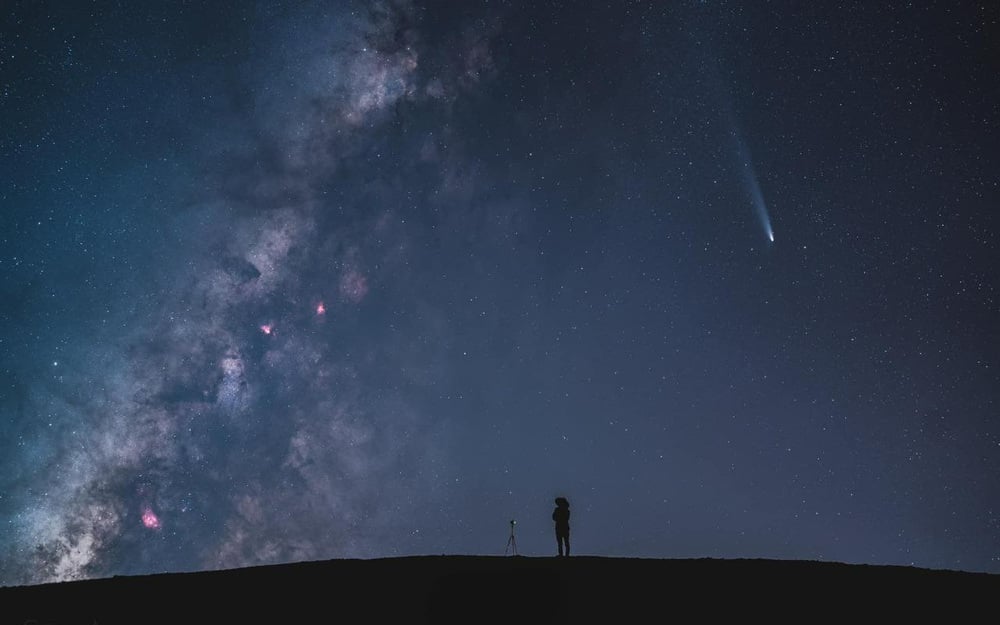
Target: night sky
{"type": "Point", "coordinates": [309, 280]}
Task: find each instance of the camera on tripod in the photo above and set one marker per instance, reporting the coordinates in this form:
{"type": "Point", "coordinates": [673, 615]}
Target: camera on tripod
{"type": "Point", "coordinates": [511, 542]}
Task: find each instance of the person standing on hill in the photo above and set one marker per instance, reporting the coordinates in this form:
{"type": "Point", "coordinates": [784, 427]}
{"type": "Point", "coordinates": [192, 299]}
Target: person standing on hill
{"type": "Point", "coordinates": [561, 516]}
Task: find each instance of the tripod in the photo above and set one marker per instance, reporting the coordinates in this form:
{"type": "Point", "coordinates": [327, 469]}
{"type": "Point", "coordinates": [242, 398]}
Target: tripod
{"type": "Point", "coordinates": [511, 542]}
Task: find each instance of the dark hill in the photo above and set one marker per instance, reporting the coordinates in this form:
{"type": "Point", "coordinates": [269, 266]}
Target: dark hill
{"type": "Point", "coordinates": [472, 589]}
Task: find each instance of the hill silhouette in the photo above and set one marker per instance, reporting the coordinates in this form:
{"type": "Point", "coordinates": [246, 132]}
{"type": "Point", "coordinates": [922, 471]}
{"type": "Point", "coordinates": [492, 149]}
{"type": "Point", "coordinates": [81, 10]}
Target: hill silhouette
{"type": "Point", "coordinates": [519, 589]}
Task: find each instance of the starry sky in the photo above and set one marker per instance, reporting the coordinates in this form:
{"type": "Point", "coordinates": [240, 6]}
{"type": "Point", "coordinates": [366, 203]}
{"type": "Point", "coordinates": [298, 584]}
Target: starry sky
{"type": "Point", "coordinates": [286, 281]}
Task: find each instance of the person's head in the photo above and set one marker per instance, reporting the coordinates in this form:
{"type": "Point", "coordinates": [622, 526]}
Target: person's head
{"type": "Point", "coordinates": [562, 502]}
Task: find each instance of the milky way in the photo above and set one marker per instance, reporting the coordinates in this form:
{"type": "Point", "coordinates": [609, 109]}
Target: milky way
{"type": "Point", "coordinates": [237, 424]}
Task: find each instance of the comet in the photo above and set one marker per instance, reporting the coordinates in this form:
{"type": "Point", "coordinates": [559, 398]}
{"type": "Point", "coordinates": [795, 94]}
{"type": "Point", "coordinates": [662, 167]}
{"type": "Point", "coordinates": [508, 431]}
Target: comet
{"type": "Point", "coordinates": [752, 186]}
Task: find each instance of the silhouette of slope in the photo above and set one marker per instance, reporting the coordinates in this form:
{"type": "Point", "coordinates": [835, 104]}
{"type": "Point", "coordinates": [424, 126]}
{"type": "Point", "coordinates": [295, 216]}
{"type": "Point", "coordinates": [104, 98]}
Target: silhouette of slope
{"type": "Point", "coordinates": [474, 589]}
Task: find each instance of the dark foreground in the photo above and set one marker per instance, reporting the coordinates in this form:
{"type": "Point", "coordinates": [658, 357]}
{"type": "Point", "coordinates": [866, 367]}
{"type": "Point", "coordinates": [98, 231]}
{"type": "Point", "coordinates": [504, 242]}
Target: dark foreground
{"type": "Point", "coordinates": [467, 589]}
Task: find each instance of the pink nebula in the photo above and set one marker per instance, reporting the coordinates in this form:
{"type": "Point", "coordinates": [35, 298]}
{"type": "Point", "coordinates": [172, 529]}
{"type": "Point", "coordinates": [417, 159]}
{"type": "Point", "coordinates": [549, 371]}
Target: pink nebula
{"type": "Point", "coordinates": [267, 328]}
{"type": "Point", "coordinates": [320, 309]}
{"type": "Point", "coordinates": [150, 520]}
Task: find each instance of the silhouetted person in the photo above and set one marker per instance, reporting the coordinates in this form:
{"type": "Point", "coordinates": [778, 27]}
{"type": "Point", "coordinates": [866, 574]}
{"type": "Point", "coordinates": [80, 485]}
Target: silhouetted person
{"type": "Point", "coordinates": [561, 516]}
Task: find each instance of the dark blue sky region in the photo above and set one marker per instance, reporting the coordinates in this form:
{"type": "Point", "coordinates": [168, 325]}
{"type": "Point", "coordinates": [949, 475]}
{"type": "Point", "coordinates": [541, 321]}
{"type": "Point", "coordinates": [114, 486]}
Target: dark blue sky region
{"type": "Point", "coordinates": [308, 280]}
